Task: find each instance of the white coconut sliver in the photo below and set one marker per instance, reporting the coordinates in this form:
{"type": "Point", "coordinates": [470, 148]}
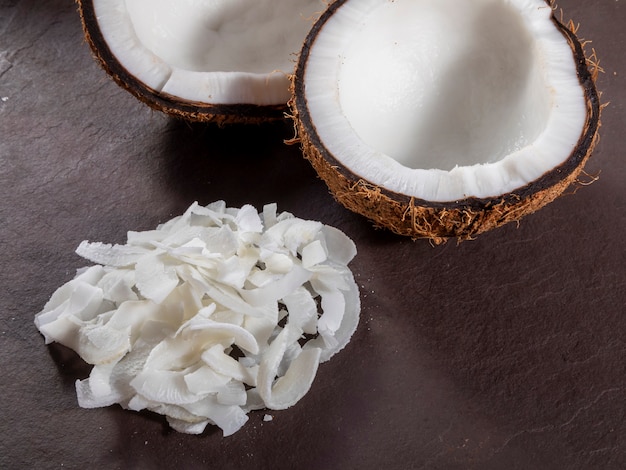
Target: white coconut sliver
{"type": "Point", "coordinates": [213, 314]}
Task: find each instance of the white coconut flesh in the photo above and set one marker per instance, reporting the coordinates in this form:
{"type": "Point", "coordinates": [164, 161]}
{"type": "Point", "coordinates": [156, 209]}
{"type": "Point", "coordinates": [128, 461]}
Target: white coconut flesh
{"type": "Point", "coordinates": [445, 100]}
{"type": "Point", "coordinates": [213, 314]}
{"type": "Point", "coordinates": [219, 51]}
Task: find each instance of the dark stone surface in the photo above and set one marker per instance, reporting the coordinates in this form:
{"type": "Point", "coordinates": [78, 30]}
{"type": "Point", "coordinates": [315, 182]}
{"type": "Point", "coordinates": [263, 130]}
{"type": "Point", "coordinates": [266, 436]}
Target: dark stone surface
{"type": "Point", "coordinates": [507, 352]}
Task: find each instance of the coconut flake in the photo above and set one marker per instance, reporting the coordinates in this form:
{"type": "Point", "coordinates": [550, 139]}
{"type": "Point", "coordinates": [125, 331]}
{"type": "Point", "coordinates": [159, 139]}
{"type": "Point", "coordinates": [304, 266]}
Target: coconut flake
{"type": "Point", "coordinates": [186, 427]}
{"type": "Point", "coordinates": [88, 399]}
{"type": "Point", "coordinates": [163, 386]}
{"type": "Point", "coordinates": [302, 310]}
{"type": "Point", "coordinates": [231, 334]}
{"type": "Point", "coordinates": [111, 255]}
{"type": "Point", "coordinates": [232, 393]}
{"type": "Point", "coordinates": [289, 388]}
{"type": "Point", "coordinates": [312, 254]}
{"type": "Point", "coordinates": [205, 380]}
{"type": "Point", "coordinates": [203, 318]}
{"type": "Point", "coordinates": [216, 358]}
{"type": "Point", "coordinates": [155, 280]}
{"type": "Point", "coordinates": [276, 290]}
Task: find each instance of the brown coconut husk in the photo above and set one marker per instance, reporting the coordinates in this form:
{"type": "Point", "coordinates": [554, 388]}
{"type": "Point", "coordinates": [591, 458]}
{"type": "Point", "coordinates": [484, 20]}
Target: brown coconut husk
{"type": "Point", "coordinates": [220, 114]}
{"type": "Point", "coordinates": [463, 219]}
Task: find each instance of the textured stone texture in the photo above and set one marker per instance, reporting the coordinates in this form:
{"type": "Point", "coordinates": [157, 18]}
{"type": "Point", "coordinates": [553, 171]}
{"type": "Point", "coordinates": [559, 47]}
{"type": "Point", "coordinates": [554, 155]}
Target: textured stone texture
{"type": "Point", "coordinates": [505, 352]}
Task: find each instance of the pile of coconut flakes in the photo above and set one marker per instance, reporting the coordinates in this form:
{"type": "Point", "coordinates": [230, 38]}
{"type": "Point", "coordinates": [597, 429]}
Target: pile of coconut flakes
{"type": "Point", "coordinates": [214, 313]}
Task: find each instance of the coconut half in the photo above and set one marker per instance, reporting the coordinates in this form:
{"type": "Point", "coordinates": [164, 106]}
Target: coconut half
{"type": "Point", "coordinates": [444, 119]}
{"type": "Point", "coordinates": [222, 60]}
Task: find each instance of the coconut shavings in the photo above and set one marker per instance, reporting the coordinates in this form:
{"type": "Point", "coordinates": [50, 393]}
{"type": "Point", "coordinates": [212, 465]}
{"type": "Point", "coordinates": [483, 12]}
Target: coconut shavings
{"type": "Point", "coordinates": [214, 313]}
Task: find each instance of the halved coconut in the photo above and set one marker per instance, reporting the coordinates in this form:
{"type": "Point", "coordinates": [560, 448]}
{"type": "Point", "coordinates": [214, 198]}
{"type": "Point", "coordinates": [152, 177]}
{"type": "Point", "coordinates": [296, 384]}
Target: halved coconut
{"type": "Point", "coordinates": [444, 118]}
{"type": "Point", "coordinates": [221, 60]}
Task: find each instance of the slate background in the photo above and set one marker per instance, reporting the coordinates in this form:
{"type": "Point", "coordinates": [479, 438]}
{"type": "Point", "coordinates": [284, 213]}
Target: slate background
{"type": "Point", "coordinates": [505, 352]}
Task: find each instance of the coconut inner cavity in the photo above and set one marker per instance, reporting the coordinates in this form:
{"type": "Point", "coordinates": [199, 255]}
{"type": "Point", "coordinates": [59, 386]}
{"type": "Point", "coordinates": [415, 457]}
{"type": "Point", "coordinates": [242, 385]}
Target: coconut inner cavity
{"type": "Point", "coordinates": [218, 52]}
{"type": "Point", "coordinates": [442, 100]}
{"type": "Point", "coordinates": [445, 83]}
{"type": "Point", "coordinates": [256, 36]}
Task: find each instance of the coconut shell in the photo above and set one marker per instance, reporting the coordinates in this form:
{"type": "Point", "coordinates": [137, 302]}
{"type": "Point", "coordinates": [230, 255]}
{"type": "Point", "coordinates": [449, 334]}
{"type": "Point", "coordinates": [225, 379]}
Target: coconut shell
{"type": "Point", "coordinates": [171, 105]}
{"type": "Point", "coordinates": [440, 221]}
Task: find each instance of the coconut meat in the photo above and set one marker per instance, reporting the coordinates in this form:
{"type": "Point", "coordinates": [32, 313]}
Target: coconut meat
{"type": "Point", "coordinates": [445, 100]}
{"type": "Point", "coordinates": [219, 51]}
{"type": "Point", "coordinates": [215, 313]}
